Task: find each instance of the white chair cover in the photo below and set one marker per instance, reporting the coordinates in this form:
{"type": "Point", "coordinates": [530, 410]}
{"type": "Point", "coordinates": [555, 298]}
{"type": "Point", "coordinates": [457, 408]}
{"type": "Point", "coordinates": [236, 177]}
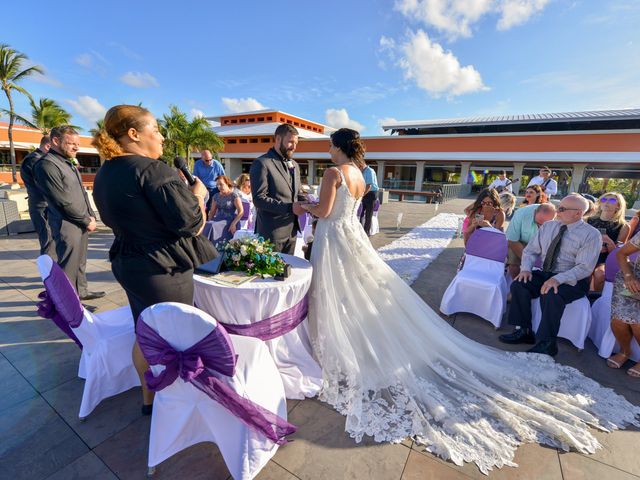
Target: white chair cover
{"type": "Point", "coordinates": [107, 339]}
{"type": "Point", "coordinates": [183, 415]}
{"type": "Point", "coordinates": [575, 321]}
{"type": "Point", "coordinates": [480, 287]}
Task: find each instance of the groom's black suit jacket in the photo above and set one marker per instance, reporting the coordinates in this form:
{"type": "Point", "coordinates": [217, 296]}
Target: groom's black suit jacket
{"type": "Point", "coordinates": [274, 189]}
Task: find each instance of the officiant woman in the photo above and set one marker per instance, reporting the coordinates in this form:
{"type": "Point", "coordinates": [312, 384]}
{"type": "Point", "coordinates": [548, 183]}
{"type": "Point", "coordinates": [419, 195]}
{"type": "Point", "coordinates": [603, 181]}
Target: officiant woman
{"type": "Point", "coordinates": [155, 217]}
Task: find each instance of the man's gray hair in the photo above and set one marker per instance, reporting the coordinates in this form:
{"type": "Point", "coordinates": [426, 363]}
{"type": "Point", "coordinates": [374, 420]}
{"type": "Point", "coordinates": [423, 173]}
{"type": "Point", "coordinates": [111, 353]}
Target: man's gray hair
{"type": "Point", "coordinates": [546, 207]}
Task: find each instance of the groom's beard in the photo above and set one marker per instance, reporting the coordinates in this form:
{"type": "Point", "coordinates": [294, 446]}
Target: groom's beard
{"type": "Point", "coordinates": [286, 154]}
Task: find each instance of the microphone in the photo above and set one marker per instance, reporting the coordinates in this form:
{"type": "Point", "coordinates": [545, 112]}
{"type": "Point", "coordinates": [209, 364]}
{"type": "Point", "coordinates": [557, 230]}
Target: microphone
{"type": "Point", "coordinates": [181, 164]}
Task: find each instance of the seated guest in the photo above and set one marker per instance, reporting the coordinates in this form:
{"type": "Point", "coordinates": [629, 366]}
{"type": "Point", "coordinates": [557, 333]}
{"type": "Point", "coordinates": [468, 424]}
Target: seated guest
{"type": "Point", "coordinates": [523, 226]}
{"type": "Point", "coordinates": [226, 205]}
{"type": "Point", "coordinates": [625, 309]}
{"type": "Point", "coordinates": [243, 187]}
{"type": "Point", "coordinates": [484, 212]}
{"type": "Point", "coordinates": [609, 220]}
{"type": "Point", "coordinates": [632, 228]}
{"type": "Point", "coordinates": [507, 203]}
{"type": "Point", "coordinates": [534, 194]}
{"type": "Point", "coordinates": [569, 248]}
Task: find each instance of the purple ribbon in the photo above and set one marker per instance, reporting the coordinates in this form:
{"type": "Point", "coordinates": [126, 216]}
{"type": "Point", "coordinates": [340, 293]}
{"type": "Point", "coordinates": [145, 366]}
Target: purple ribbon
{"type": "Point", "coordinates": [274, 326]}
{"type": "Point", "coordinates": [194, 365]}
{"type": "Point", "coordinates": [60, 303]}
{"type": "Point", "coordinates": [486, 244]}
{"type": "Point", "coordinates": [246, 210]}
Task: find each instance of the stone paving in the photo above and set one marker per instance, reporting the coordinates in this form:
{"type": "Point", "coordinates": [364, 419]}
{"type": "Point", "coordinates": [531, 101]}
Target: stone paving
{"type": "Point", "coordinates": [42, 438]}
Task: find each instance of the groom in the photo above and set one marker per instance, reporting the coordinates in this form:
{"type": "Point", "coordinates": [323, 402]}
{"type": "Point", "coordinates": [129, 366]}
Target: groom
{"type": "Point", "coordinates": [275, 181]}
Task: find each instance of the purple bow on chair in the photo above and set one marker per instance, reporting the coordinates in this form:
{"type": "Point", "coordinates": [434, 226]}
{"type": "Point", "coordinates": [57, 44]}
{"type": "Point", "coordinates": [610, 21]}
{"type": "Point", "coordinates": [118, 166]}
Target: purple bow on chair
{"type": "Point", "coordinates": [194, 365]}
{"type": "Point", "coordinates": [60, 303]}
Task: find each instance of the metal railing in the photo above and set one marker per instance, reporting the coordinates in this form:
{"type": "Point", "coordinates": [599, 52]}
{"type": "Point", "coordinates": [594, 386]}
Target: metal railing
{"type": "Point", "coordinates": [449, 190]}
{"type": "Point", "coordinates": [454, 190]}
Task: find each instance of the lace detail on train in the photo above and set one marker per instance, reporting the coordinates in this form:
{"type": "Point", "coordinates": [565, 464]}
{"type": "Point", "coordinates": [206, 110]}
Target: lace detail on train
{"type": "Point", "coordinates": [395, 369]}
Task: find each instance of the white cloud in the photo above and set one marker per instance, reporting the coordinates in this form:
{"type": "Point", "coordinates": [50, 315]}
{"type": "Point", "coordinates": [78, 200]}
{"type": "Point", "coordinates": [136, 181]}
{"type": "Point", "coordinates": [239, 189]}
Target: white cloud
{"type": "Point", "coordinates": [88, 108]}
{"type": "Point", "coordinates": [238, 105]}
{"type": "Point", "coordinates": [517, 12]}
{"type": "Point", "coordinates": [195, 113]}
{"type": "Point", "coordinates": [457, 17]}
{"type": "Point", "coordinates": [339, 118]}
{"type": "Point", "coordinates": [384, 121]}
{"type": "Point", "coordinates": [436, 71]}
{"type": "Point", "coordinates": [139, 80]}
{"type": "Point", "coordinates": [84, 60]}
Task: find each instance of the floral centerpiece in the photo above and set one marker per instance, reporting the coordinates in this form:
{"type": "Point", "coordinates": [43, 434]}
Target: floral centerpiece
{"type": "Point", "coordinates": [254, 256]}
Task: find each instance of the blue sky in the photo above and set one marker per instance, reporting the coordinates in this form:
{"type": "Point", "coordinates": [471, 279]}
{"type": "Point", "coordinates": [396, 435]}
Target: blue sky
{"type": "Point", "coordinates": [343, 63]}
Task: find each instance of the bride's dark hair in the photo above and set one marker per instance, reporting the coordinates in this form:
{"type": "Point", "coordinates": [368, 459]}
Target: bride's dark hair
{"type": "Point", "coordinates": [351, 144]}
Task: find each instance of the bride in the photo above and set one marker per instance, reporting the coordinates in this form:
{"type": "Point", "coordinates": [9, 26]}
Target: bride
{"type": "Point", "coordinates": [395, 369]}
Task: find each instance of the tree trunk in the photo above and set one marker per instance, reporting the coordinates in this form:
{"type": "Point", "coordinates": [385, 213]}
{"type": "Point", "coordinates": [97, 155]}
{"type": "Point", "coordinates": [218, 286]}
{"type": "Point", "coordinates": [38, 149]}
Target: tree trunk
{"type": "Point", "coordinates": [12, 150]}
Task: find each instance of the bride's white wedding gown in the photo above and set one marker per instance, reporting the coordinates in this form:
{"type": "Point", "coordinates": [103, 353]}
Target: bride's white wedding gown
{"type": "Point", "coordinates": [397, 370]}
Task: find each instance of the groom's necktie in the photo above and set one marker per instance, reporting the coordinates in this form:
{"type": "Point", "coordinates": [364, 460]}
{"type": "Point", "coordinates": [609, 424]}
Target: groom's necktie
{"type": "Point", "coordinates": [554, 251]}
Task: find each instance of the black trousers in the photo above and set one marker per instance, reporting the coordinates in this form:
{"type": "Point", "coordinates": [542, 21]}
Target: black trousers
{"type": "Point", "coordinates": [40, 220]}
{"type": "Point", "coordinates": [287, 246]}
{"type": "Point", "coordinates": [72, 243]}
{"type": "Point", "coordinates": [368, 202]}
{"type": "Point", "coordinates": [146, 284]}
{"type": "Point", "coordinates": [552, 304]}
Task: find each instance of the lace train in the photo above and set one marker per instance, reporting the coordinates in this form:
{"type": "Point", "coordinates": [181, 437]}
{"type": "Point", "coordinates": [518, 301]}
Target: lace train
{"type": "Point", "coordinates": [395, 369]}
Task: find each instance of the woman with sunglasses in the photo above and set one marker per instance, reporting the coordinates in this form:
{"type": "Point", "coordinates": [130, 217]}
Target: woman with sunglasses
{"type": "Point", "coordinates": [486, 211]}
{"type": "Point", "coordinates": [609, 219]}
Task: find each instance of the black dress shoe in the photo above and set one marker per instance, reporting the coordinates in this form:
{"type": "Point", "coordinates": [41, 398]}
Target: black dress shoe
{"type": "Point", "coordinates": [522, 335]}
{"type": "Point", "coordinates": [92, 295]}
{"type": "Point", "coordinates": [547, 347]}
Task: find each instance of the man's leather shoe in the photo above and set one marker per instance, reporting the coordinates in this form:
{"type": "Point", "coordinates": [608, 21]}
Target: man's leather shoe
{"type": "Point", "coordinates": [92, 295]}
{"type": "Point", "coordinates": [522, 335]}
{"type": "Point", "coordinates": [548, 347]}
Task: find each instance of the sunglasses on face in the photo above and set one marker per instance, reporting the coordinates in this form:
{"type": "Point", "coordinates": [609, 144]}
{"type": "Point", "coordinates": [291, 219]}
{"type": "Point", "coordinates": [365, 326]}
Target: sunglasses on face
{"type": "Point", "coordinates": [609, 200]}
{"type": "Point", "coordinates": [487, 204]}
{"type": "Point", "coordinates": [564, 209]}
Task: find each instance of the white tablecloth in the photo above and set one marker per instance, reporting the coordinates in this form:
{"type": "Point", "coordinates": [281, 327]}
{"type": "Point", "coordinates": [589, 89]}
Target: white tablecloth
{"type": "Point", "coordinates": [261, 299]}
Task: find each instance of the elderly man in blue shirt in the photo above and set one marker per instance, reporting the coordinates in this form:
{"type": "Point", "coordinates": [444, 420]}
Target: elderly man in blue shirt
{"type": "Point", "coordinates": [369, 198]}
{"type": "Point", "coordinates": [522, 228]}
{"type": "Point", "coordinates": [207, 170]}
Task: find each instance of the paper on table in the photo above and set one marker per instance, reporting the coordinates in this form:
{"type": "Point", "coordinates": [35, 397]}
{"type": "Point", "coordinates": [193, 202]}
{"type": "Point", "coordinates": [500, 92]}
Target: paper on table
{"type": "Point", "coordinates": [233, 279]}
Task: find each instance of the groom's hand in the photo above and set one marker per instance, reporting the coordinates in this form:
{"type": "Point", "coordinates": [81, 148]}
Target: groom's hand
{"type": "Point", "coordinates": [297, 208]}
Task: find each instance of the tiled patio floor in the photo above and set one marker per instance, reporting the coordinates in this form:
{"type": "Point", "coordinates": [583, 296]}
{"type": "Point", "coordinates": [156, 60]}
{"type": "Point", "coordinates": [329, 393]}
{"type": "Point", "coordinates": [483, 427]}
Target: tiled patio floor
{"type": "Point", "coordinates": [42, 438]}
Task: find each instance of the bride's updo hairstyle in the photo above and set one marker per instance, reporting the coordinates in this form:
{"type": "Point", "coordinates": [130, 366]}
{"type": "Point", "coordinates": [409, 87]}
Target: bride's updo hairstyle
{"type": "Point", "coordinates": [117, 122]}
{"type": "Point", "coordinates": [349, 142]}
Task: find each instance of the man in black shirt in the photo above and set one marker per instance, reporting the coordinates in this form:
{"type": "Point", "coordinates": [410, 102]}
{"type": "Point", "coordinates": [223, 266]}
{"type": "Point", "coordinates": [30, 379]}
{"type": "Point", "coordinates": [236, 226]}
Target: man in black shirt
{"type": "Point", "coordinates": [71, 215]}
{"type": "Point", "coordinates": [37, 202]}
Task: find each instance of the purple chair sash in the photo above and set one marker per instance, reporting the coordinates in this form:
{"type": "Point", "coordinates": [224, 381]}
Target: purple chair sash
{"type": "Point", "coordinates": [376, 206]}
{"type": "Point", "coordinates": [486, 244]}
{"type": "Point", "coordinates": [611, 266]}
{"type": "Point", "coordinates": [246, 210]}
{"type": "Point", "coordinates": [274, 326]}
{"type": "Point", "coordinates": [194, 365]}
{"type": "Point", "coordinates": [60, 303]}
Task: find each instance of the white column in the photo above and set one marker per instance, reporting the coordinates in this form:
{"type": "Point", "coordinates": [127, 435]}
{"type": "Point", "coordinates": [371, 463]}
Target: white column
{"type": "Point", "coordinates": [518, 168]}
{"type": "Point", "coordinates": [576, 176]}
{"type": "Point", "coordinates": [464, 172]}
{"type": "Point", "coordinates": [233, 168]}
{"type": "Point", "coordinates": [380, 172]}
{"type": "Point", "coordinates": [311, 172]}
{"type": "Point", "coordinates": [419, 176]}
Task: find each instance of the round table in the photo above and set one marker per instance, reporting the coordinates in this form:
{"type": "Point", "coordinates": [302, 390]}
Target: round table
{"type": "Point", "coordinates": [261, 299]}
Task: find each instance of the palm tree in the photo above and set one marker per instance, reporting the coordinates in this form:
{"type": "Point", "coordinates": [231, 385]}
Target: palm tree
{"type": "Point", "coordinates": [11, 73]}
{"type": "Point", "coordinates": [47, 114]}
{"type": "Point", "coordinates": [183, 136]}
